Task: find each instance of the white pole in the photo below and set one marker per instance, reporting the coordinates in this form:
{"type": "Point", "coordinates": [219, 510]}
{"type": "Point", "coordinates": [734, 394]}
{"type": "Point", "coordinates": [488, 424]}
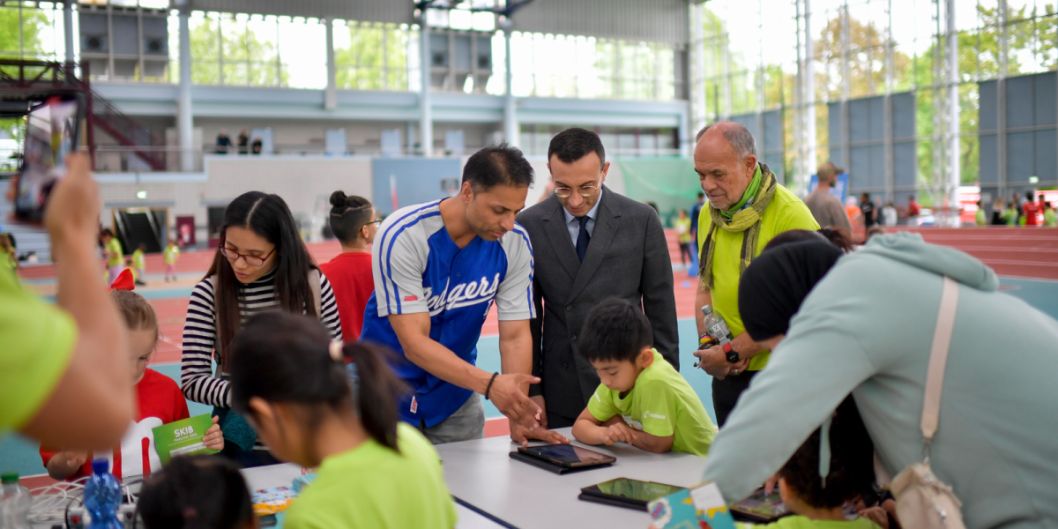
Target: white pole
{"type": "Point", "coordinates": [184, 116]}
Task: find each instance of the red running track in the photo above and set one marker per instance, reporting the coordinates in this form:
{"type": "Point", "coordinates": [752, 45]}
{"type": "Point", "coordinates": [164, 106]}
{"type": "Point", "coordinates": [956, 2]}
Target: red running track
{"type": "Point", "coordinates": [1019, 252]}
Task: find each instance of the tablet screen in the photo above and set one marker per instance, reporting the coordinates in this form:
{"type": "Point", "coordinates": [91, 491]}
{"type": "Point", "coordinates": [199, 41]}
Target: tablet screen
{"type": "Point", "coordinates": [635, 489]}
{"type": "Point", "coordinates": [760, 506]}
{"type": "Point", "coordinates": [567, 454]}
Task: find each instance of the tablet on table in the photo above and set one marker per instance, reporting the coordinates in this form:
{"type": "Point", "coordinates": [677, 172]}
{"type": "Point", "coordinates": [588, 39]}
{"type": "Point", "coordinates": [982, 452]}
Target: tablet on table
{"type": "Point", "coordinates": [626, 492]}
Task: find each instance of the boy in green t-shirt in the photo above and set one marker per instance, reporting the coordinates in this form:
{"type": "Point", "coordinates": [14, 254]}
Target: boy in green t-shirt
{"type": "Point", "coordinates": [1050, 219]}
{"type": "Point", "coordinates": [642, 400]}
{"type": "Point", "coordinates": [112, 254]}
{"type": "Point", "coordinates": [170, 255]}
{"type": "Point", "coordinates": [139, 264]}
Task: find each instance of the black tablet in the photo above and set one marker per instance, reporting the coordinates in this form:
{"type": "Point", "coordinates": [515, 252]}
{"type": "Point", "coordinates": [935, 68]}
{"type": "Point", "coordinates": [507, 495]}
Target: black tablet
{"type": "Point", "coordinates": [628, 493]}
{"type": "Point", "coordinates": [562, 458]}
{"type": "Point", "coordinates": [760, 507]}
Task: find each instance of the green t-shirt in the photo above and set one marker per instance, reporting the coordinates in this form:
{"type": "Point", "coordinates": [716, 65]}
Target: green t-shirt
{"type": "Point", "coordinates": [979, 217]}
{"type": "Point", "coordinates": [785, 212]}
{"type": "Point", "coordinates": [373, 487]}
{"type": "Point", "coordinates": [683, 230]}
{"type": "Point", "coordinates": [116, 256]}
{"type": "Point", "coordinates": [662, 404]}
{"type": "Point", "coordinates": [138, 260]}
{"type": "Point", "coordinates": [800, 522]}
{"type": "Point", "coordinates": [1010, 216]}
{"type": "Point", "coordinates": [170, 254]}
{"type": "Point", "coordinates": [37, 341]}
{"type": "Point", "coordinates": [1050, 218]}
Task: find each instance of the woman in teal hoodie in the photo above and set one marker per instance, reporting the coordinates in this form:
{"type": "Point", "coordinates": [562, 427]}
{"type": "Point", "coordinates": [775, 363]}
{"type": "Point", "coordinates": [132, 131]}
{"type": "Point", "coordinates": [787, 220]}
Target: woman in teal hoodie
{"type": "Point", "coordinates": [865, 326]}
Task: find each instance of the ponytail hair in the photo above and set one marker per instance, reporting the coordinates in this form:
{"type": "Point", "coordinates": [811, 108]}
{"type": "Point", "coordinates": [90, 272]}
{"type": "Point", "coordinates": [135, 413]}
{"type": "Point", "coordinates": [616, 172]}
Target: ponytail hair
{"type": "Point", "coordinates": [284, 357]}
{"type": "Point", "coordinates": [376, 390]}
{"type": "Point", "coordinates": [348, 215]}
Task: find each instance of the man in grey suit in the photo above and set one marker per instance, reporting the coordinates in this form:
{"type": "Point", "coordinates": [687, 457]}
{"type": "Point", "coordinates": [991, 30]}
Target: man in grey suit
{"type": "Point", "coordinates": [590, 243]}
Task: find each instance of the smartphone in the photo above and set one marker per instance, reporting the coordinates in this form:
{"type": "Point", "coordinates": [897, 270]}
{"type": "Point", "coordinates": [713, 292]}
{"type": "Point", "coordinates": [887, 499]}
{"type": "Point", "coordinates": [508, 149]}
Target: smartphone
{"type": "Point", "coordinates": [52, 130]}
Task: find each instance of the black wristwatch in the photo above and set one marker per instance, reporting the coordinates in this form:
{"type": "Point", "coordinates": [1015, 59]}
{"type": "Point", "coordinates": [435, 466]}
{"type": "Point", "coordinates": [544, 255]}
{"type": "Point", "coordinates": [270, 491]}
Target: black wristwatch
{"type": "Point", "coordinates": [731, 354]}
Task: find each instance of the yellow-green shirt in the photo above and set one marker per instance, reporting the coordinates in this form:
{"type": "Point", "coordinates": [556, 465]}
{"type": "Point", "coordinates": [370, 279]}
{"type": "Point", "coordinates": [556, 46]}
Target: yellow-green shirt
{"type": "Point", "coordinates": [1050, 218]}
{"type": "Point", "coordinates": [36, 340]}
{"type": "Point", "coordinates": [801, 522]}
{"type": "Point", "coordinates": [170, 254]}
{"type": "Point", "coordinates": [785, 212]}
{"type": "Point", "coordinates": [115, 256]}
{"type": "Point", "coordinates": [373, 487]}
{"type": "Point", "coordinates": [662, 404]}
{"type": "Point", "coordinates": [138, 260]}
{"type": "Point", "coordinates": [683, 230]}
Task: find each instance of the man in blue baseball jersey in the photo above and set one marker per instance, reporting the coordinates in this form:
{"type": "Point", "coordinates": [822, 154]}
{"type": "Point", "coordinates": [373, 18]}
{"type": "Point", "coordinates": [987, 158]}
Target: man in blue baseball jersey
{"type": "Point", "coordinates": [438, 268]}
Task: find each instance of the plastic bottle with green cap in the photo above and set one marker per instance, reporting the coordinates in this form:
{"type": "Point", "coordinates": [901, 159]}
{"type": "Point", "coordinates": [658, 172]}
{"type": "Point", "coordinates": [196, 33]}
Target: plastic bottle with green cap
{"type": "Point", "coordinates": [15, 503]}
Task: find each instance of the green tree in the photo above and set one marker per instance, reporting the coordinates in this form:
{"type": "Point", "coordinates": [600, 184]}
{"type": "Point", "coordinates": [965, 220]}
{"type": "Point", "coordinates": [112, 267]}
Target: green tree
{"type": "Point", "coordinates": [32, 21]}
{"type": "Point", "coordinates": [246, 59]}
{"type": "Point", "coordinates": [376, 59]}
{"type": "Point", "coordinates": [866, 56]}
{"type": "Point", "coordinates": [979, 59]}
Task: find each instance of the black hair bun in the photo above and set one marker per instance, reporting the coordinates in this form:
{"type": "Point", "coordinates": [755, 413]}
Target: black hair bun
{"type": "Point", "coordinates": [339, 200]}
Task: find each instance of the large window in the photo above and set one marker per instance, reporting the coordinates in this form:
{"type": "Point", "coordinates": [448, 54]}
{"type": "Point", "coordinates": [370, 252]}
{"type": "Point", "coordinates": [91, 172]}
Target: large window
{"type": "Point", "coordinates": [371, 56]}
{"type": "Point", "coordinates": [591, 68]}
{"type": "Point", "coordinates": [256, 50]}
{"type": "Point", "coordinates": [32, 30]}
{"type": "Point", "coordinates": [864, 48]}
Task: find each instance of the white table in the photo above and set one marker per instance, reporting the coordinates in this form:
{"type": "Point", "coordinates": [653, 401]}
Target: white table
{"type": "Point", "coordinates": [283, 475]}
{"type": "Point", "coordinates": [482, 474]}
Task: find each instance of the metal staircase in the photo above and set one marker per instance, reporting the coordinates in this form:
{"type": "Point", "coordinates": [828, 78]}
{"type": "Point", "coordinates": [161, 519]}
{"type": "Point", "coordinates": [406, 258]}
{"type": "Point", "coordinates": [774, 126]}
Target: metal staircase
{"type": "Point", "coordinates": [23, 81]}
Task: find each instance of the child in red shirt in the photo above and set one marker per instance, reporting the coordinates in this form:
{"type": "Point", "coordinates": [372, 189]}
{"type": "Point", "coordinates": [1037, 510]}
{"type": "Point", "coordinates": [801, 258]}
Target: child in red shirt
{"type": "Point", "coordinates": [354, 222]}
{"type": "Point", "coordinates": [159, 401]}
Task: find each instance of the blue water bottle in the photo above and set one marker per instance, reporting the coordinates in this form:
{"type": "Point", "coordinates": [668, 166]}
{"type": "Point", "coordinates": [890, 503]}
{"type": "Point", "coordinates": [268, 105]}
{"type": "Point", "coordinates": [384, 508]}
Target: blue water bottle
{"type": "Point", "coordinates": [102, 497]}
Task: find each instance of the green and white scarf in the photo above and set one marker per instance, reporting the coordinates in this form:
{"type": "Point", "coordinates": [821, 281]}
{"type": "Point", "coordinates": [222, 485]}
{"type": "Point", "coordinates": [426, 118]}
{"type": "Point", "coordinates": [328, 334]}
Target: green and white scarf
{"type": "Point", "coordinates": [744, 217]}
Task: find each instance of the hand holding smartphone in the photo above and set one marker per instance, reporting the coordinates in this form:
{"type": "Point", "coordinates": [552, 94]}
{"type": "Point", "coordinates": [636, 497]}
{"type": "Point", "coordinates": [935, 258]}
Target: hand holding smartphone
{"type": "Point", "coordinates": [52, 132]}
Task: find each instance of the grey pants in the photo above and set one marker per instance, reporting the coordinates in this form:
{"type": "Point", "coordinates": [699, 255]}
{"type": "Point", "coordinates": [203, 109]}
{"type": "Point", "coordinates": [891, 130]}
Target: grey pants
{"type": "Point", "coordinates": [468, 422]}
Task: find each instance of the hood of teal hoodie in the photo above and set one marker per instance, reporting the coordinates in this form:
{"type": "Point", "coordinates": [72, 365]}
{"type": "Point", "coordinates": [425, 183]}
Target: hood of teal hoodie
{"type": "Point", "coordinates": [910, 249]}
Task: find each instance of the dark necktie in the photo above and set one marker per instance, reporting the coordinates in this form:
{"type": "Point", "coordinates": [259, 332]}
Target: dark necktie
{"type": "Point", "coordinates": [582, 237]}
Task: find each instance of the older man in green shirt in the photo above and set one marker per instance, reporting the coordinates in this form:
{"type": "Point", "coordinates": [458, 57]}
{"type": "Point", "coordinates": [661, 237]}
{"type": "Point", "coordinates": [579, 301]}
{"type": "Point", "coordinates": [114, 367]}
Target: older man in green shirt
{"type": "Point", "coordinates": [747, 207]}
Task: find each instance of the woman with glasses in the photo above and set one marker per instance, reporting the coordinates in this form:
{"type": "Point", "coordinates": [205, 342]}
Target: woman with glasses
{"type": "Point", "coordinates": [354, 221]}
{"type": "Point", "coordinates": [261, 265]}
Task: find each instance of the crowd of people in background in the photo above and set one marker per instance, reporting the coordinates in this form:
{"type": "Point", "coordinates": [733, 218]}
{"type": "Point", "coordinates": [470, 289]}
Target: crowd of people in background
{"type": "Point", "coordinates": [243, 145]}
{"type": "Point", "coordinates": [1020, 210]}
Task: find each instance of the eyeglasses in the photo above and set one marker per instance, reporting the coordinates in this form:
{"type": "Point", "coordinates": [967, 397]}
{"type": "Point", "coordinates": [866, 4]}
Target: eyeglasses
{"type": "Point", "coordinates": [376, 221]}
{"type": "Point", "coordinates": [251, 260]}
{"type": "Point", "coordinates": [586, 191]}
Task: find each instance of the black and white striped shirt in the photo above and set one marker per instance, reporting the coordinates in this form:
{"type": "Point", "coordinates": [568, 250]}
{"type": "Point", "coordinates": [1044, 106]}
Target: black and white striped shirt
{"type": "Point", "coordinates": [197, 379]}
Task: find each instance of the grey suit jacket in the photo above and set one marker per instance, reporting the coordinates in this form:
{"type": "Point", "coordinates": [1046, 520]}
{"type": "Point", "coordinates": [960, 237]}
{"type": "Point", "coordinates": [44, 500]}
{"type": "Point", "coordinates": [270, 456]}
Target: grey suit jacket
{"type": "Point", "coordinates": [627, 257]}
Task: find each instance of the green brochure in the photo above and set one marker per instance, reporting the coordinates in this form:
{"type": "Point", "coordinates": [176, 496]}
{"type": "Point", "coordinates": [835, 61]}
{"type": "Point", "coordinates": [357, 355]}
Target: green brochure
{"type": "Point", "coordinates": [182, 438]}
